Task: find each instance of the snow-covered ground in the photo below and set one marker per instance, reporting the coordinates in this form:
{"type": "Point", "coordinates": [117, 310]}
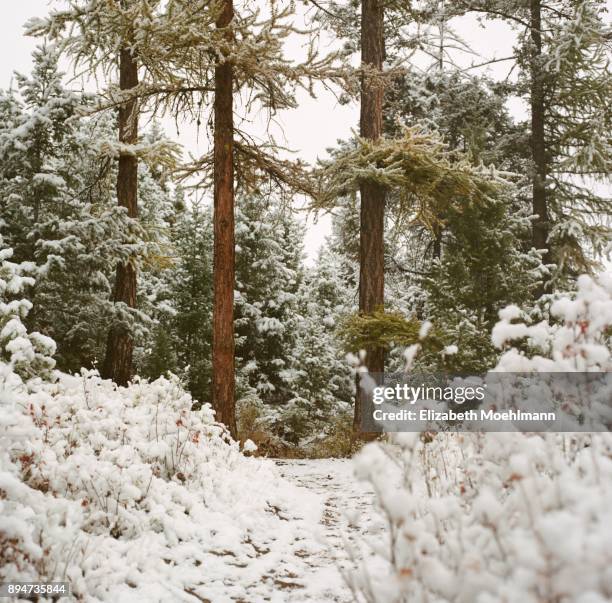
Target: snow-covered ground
{"type": "Point", "coordinates": [346, 517]}
{"type": "Point", "coordinates": [306, 561]}
{"type": "Point", "coordinates": [303, 561]}
{"type": "Point", "coordinates": [131, 497]}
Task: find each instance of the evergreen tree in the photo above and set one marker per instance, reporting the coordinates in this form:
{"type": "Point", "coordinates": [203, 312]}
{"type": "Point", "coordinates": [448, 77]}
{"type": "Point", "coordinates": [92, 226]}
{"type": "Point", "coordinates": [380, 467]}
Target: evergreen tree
{"type": "Point", "coordinates": [268, 276]}
{"type": "Point", "coordinates": [65, 220]}
{"type": "Point", "coordinates": [191, 286]}
{"type": "Point", "coordinates": [482, 270]}
{"type": "Point", "coordinates": [372, 194]}
{"type": "Point", "coordinates": [324, 384]}
{"type": "Point", "coordinates": [38, 138]}
{"type": "Point", "coordinates": [564, 58]}
{"type": "Point", "coordinates": [28, 354]}
{"type": "Point", "coordinates": [224, 256]}
{"type": "Point", "coordinates": [476, 260]}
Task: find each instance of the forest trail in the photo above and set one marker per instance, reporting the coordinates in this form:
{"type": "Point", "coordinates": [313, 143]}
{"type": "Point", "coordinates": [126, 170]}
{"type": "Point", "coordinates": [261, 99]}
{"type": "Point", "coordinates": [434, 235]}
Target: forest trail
{"type": "Point", "coordinates": [346, 516]}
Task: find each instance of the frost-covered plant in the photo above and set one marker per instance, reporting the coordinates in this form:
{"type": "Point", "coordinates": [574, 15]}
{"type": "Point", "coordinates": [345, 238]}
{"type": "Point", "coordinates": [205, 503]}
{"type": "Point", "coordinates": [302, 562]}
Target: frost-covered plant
{"type": "Point", "coordinates": [488, 518]}
{"type": "Point", "coordinates": [500, 516]}
{"type": "Point", "coordinates": [577, 340]}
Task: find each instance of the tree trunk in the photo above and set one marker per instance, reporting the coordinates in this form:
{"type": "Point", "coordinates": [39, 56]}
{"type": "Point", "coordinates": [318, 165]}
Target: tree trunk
{"type": "Point", "coordinates": [372, 216]}
{"type": "Point", "coordinates": [120, 344]}
{"type": "Point", "coordinates": [538, 141]}
{"type": "Point", "coordinates": [224, 246]}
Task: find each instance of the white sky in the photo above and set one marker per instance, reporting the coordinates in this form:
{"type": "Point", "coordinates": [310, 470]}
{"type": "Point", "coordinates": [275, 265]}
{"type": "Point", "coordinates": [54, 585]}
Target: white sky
{"type": "Point", "coordinates": [316, 125]}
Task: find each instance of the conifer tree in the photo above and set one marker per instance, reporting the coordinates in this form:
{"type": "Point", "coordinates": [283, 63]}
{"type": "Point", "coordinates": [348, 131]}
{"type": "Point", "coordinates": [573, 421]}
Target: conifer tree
{"type": "Point", "coordinates": [563, 55]}
{"type": "Point", "coordinates": [324, 382]}
{"type": "Point", "coordinates": [268, 276]}
{"type": "Point", "coordinates": [37, 136]}
{"type": "Point", "coordinates": [187, 53]}
{"type": "Point", "coordinates": [249, 55]}
{"type": "Point", "coordinates": [407, 167]}
{"type": "Point", "coordinates": [65, 220]}
{"type": "Point", "coordinates": [120, 344]}
{"type": "Point", "coordinates": [183, 334]}
{"type": "Point", "coordinates": [192, 291]}
{"type": "Point", "coordinates": [372, 193]}
{"type": "Point", "coordinates": [103, 37]}
{"type": "Point", "coordinates": [223, 364]}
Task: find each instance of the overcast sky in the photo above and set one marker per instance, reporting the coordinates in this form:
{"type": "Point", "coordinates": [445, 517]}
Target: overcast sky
{"type": "Point", "coordinates": [316, 125]}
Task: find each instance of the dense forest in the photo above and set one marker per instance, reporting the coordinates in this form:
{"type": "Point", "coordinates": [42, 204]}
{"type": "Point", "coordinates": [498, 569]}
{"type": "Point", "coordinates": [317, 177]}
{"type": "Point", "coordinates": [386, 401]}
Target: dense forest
{"type": "Point", "coordinates": [136, 275]}
{"type": "Point", "coordinates": [462, 208]}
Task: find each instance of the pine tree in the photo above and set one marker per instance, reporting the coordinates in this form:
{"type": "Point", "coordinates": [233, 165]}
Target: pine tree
{"type": "Point", "coordinates": [66, 220]}
{"type": "Point", "coordinates": [478, 259]}
{"type": "Point", "coordinates": [482, 269]}
{"type": "Point", "coordinates": [191, 286]}
{"type": "Point", "coordinates": [120, 343]}
{"type": "Point", "coordinates": [223, 377]}
{"type": "Point", "coordinates": [101, 38]}
{"type": "Point", "coordinates": [173, 42]}
{"type": "Point", "coordinates": [38, 135]}
{"type": "Point", "coordinates": [28, 354]}
{"type": "Point", "coordinates": [324, 384]}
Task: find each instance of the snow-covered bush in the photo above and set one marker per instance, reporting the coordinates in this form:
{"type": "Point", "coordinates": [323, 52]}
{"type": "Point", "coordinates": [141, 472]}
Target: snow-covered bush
{"type": "Point", "coordinates": [489, 518]}
{"type": "Point", "coordinates": [129, 495]}
{"type": "Point", "coordinates": [500, 516]}
{"type": "Point", "coordinates": [578, 339]}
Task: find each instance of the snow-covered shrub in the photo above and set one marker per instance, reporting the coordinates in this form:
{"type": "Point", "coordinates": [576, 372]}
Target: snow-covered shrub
{"type": "Point", "coordinates": [500, 516]}
{"type": "Point", "coordinates": [127, 493]}
{"type": "Point", "coordinates": [578, 339]}
{"type": "Point", "coordinates": [489, 518]}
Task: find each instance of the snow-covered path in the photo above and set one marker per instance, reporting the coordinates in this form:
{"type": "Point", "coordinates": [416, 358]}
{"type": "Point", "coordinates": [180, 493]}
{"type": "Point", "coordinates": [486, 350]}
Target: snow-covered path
{"type": "Point", "coordinates": [299, 556]}
{"type": "Point", "coordinates": [346, 514]}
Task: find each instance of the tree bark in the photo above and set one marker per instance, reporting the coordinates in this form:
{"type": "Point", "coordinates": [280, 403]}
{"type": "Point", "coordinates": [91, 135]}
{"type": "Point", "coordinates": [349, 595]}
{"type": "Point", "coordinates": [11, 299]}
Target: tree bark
{"type": "Point", "coordinates": [538, 140]}
{"type": "Point", "coordinates": [223, 376]}
{"type": "Point", "coordinates": [120, 343]}
{"type": "Point", "coordinates": [372, 213]}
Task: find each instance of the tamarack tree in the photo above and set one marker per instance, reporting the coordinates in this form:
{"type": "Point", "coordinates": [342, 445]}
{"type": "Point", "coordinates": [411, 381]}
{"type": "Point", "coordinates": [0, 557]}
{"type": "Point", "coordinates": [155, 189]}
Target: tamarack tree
{"type": "Point", "coordinates": [251, 58]}
{"type": "Point", "coordinates": [120, 346]}
{"type": "Point", "coordinates": [372, 192]}
{"type": "Point", "coordinates": [224, 260]}
{"type": "Point", "coordinates": [412, 175]}
{"type": "Point", "coordinates": [563, 58]}
{"type": "Point", "coordinates": [194, 57]}
{"type": "Point", "coordinates": [425, 179]}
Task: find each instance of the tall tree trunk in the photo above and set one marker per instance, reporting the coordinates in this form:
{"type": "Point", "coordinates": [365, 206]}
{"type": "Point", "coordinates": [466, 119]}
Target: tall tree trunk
{"type": "Point", "coordinates": [120, 343]}
{"type": "Point", "coordinates": [538, 141]}
{"type": "Point", "coordinates": [224, 246]}
{"type": "Point", "coordinates": [372, 217]}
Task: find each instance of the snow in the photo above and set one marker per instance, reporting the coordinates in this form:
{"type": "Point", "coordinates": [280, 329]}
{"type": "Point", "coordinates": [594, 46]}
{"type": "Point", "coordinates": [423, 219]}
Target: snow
{"type": "Point", "coordinates": [500, 516]}
{"type": "Point", "coordinates": [132, 496]}
{"type": "Point", "coordinates": [488, 517]}
{"type": "Point", "coordinates": [346, 520]}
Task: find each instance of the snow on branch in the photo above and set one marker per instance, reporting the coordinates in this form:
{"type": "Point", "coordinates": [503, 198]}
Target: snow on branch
{"type": "Point", "coordinates": [418, 167]}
